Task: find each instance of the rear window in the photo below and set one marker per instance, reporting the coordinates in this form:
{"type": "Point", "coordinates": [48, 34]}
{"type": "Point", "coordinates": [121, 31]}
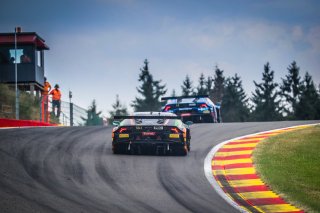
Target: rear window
{"type": "Point", "coordinates": [187, 101]}
{"type": "Point", "coordinates": [147, 122]}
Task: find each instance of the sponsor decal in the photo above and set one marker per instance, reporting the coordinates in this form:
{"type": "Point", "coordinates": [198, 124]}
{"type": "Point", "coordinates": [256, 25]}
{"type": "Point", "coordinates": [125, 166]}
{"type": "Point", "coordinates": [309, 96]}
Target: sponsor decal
{"type": "Point", "coordinates": [123, 135]}
{"type": "Point", "coordinates": [174, 136]}
{"type": "Point", "coordinates": [148, 133]}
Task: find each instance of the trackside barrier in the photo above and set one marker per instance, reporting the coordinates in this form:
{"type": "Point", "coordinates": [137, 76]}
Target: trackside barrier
{"type": "Point", "coordinates": [70, 115]}
{"type": "Point", "coordinates": [22, 123]}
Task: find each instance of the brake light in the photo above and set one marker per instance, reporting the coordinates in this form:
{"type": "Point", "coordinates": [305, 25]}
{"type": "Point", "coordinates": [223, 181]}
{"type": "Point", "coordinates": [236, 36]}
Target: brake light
{"type": "Point", "coordinates": [185, 114]}
{"type": "Point", "coordinates": [122, 129]}
{"type": "Point", "coordinates": [175, 130]}
{"type": "Point", "coordinates": [203, 106]}
{"type": "Point", "coordinates": [167, 108]}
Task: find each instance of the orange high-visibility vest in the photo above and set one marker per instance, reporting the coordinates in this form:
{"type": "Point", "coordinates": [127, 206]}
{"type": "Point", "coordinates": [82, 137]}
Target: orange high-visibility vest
{"type": "Point", "coordinates": [56, 95]}
{"type": "Point", "coordinates": [46, 88]}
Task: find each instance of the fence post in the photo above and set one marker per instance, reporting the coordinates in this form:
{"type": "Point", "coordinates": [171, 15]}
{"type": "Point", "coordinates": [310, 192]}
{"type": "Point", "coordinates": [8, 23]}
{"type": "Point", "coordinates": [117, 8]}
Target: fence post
{"type": "Point", "coordinates": [71, 114]}
{"type": "Point", "coordinates": [71, 108]}
{"type": "Point", "coordinates": [41, 108]}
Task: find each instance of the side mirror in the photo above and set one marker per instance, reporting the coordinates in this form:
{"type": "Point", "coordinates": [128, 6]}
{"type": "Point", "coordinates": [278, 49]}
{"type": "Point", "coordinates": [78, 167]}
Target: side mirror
{"type": "Point", "coordinates": [116, 123]}
{"type": "Point", "coordinates": [189, 123]}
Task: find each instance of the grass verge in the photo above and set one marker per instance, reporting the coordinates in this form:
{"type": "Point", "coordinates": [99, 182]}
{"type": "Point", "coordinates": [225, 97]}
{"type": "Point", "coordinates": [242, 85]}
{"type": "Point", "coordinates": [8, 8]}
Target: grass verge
{"type": "Point", "coordinates": [290, 164]}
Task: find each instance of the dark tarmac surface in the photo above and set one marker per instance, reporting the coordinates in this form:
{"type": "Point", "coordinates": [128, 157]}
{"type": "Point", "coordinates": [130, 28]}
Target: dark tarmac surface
{"type": "Point", "coordinates": [72, 169]}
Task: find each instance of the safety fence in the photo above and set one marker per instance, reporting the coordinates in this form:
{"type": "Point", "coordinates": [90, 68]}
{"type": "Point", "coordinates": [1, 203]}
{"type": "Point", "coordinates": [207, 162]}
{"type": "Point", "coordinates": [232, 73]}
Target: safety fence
{"type": "Point", "coordinates": [72, 114]}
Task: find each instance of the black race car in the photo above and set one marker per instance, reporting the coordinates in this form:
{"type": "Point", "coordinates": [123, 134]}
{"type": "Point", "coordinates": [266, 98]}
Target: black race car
{"type": "Point", "coordinates": [193, 108]}
{"type": "Point", "coordinates": [150, 132]}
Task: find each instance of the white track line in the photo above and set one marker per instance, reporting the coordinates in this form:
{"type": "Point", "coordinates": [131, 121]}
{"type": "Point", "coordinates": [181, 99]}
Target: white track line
{"type": "Point", "coordinates": [208, 167]}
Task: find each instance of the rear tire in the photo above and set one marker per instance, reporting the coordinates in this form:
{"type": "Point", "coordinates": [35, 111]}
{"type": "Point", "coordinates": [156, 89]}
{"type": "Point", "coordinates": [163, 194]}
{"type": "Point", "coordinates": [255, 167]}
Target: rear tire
{"type": "Point", "coordinates": [116, 150]}
{"type": "Point", "coordinates": [218, 116]}
{"type": "Point", "coordinates": [182, 151]}
{"type": "Point", "coordinates": [188, 145]}
{"type": "Point", "coordinates": [209, 119]}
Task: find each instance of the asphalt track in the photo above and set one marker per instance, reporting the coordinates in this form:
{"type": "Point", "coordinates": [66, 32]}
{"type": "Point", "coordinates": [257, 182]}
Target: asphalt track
{"type": "Point", "coordinates": [73, 170]}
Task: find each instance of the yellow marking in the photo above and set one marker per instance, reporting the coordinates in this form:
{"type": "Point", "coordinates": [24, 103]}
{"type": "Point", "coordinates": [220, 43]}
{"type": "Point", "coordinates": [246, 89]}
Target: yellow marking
{"type": "Point", "coordinates": [240, 171]}
{"type": "Point", "coordinates": [300, 127]}
{"type": "Point", "coordinates": [224, 154]}
{"type": "Point", "coordinates": [248, 139]}
{"type": "Point", "coordinates": [218, 172]}
{"type": "Point", "coordinates": [270, 134]}
{"type": "Point", "coordinates": [278, 208]}
{"type": "Point", "coordinates": [240, 145]}
{"type": "Point", "coordinates": [228, 162]}
{"type": "Point", "coordinates": [256, 195]}
{"type": "Point", "coordinates": [219, 184]}
{"type": "Point", "coordinates": [249, 182]}
{"type": "Point", "coordinates": [123, 135]}
{"type": "Point", "coordinates": [174, 136]}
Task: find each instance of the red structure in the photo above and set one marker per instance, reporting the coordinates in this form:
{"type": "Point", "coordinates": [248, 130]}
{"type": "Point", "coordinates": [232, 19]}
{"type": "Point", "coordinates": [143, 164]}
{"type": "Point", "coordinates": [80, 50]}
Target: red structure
{"type": "Point", "coordinates": [22, 123]}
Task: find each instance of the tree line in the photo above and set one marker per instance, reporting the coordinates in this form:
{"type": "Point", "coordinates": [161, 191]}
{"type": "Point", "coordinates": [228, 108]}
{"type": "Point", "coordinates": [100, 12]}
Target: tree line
{"type": "Point", "coordinates": [296, 97]}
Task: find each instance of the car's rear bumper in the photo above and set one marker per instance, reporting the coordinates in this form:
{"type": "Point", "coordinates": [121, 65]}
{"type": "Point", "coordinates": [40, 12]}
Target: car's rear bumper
{"type": "Point", "coordinates": [195, 117]}
{"type": "Point", "coordinates": [149, 143]}
{"type": "Point", "coordinates": [149, 146]}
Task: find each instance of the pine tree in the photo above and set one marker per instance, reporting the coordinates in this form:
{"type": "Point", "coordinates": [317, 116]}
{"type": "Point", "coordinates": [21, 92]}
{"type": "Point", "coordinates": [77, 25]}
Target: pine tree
{"type": "Point", "coordinates": [234, 102]}
{"type": "Point", "coordinates": [291, 89]}
{"type": "Point", "coordinates": [118, 109]}
{"type": "Point", "coordinates": [93, 117]}
{"type": "Point", "coordinates": [187, 88]}
{"type": "Point", "coordinates": [216, 94]}
{"type": "Point", "coordinates": [308, 107]}
{"type": "Point", "coordinates": [201, 89]}
{"type": "Point", "coordinates": [266, 98]}
{"type": "Point", "coordinates": [150, 90]}
{"type": "Point", "coordinates": [173, 93]}
{"type": "Point", "coordinates": [208, 85]}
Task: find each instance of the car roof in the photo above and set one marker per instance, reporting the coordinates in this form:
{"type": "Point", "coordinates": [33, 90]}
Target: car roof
{"type": "Point", "coordinates": [152, 121]}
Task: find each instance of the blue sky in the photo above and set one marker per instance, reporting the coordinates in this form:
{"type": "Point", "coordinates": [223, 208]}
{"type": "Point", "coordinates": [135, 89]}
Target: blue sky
{"type": "Point", "coordinates": [97, 47]}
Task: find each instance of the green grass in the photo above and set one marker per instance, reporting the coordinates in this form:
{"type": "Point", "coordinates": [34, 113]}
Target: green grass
{"type": "Point", "coordinates": [290, 164]}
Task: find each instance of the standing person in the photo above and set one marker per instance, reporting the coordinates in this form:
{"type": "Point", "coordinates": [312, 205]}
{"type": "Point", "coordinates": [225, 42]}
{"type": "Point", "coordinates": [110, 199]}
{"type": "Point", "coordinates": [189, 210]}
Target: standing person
{"type": "Point", "coordinates": [45, 100]}
{"type": "Point", "coordinates": [56, 100]}
{"type": "Point", "coordinates": [46, 87]}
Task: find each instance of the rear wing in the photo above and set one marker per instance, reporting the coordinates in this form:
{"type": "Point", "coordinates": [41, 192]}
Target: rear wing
{"type": "Point", "coordinates": [182, 97]}
{"type": "Point", "coordinates": [121, 117]}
